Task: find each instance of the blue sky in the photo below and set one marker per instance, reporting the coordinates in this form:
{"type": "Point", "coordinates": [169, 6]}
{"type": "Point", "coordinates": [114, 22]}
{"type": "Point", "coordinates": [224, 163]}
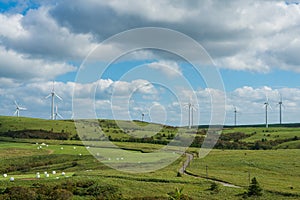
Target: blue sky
{"type": "Point", "coordinates": [254, 50]}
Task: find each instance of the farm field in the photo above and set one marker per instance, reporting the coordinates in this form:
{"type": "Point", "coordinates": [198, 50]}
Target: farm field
{"type": "Point", "coordinates": [91, 177]}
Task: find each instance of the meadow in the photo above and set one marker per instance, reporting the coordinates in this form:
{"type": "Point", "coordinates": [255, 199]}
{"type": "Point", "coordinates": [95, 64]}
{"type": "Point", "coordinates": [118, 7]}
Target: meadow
{"type": "Point", "coordinates": [91, 177]}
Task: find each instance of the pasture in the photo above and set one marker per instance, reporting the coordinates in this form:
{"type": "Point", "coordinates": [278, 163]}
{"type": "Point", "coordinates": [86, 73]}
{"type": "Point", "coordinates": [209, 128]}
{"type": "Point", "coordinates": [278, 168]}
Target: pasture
{"type": "Point", "coordinates": [88, 177]}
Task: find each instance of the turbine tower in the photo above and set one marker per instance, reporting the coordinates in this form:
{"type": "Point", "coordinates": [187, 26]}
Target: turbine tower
{"type": "Point", "coordinates": [192, 114]}
{"type": "Point", "coordinates": [191, 109]}
{"type": "Point", "coordinates": [53, 95]}
{"type": "Point", "coordinates": [235, 111]}
{"type": "Point", "coordinates": [56, 114]}
{"type": "Point", "coordinates": [280, 109]}
{"type": "Point", "coordinates": [143, 115]}
{"type": "Point", "coordinates": [18, 108]}
{"type": "Point", "coordinates": [266, 104]}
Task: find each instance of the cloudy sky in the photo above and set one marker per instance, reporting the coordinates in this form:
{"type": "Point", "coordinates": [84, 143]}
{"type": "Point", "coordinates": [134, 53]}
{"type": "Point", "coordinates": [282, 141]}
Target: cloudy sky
{"type": "Point", "coordinates": [253, 44]}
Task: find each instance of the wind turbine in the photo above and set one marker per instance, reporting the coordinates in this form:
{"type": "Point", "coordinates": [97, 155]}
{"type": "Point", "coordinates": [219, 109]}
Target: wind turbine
{"type": "Point", "coordinates": [280, 109]}
{"type": "Point", "coordinates": [18, 108]}
{"type": "Point", "coordinates": [56, 114]}
{"type": "Point", "coordinates": [191, 108]}
{"type": "Point", "coordinates": [143, 115]}
{"type": "Point", "coordinates": [189, 105]}
{"type": "Point", "coordinates": [235, 112]}
{"type": "Point", "coordinates": [53, 95]}
{"type": "Point", "coordinates": [192, 112]}
{"type": "Point", "coordinates": [266, 104]}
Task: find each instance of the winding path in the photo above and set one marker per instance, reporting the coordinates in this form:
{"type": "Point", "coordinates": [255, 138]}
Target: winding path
{"type": "Point", "coordinates": [190, 157]}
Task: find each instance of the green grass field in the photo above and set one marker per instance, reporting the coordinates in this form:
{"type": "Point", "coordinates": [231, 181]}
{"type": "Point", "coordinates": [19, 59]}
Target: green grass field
{"type": "Point", "coordinates": [278, 171]}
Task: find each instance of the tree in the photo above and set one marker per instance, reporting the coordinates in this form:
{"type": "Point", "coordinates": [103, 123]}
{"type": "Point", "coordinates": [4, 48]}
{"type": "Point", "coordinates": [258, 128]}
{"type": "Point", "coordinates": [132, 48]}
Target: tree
{"type": "Point", "coordinates": [254, 188]}
{"type": "Point", "coordinates": [214, 187]}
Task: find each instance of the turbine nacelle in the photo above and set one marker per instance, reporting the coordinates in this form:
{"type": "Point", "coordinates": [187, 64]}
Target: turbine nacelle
{"type": "Point", "coordinates": [18, 108]}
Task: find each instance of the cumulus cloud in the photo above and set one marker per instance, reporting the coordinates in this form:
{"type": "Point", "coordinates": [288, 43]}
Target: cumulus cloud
{"type": "Point", "coordinates": [17, 66]}
{"type": "Point", "coordinates": [249, 102]}
{"type": "Point", "coordinates": [168, 68]}
{"type": "Point", "coordinates": [38, 35]}
{"type": "Point", "coordinates": [39, 43]}
{"type": "Point", "coordinates": [239, 35]}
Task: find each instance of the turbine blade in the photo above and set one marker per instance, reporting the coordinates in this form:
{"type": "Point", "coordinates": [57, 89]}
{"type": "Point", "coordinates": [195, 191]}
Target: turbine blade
{"type": "Point", "coordinates": [48, 96]}
{"type": "Point", "coordinates": [59, 115]}
{"type": "Point", "coordinates": [53, 86]}
{"type": "Point", "coordinates": [58, 96]}
{"type": "Point", "coordinates": [21, 108]}
{"type": "Point", "coordinates": [15, 113]}
{"type": "Point", "coordinates": [16, 104]}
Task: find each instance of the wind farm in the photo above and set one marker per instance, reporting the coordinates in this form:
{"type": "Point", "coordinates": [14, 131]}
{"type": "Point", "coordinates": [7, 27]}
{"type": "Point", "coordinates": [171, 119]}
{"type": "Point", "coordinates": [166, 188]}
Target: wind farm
{"type": "Point", "coordinates": [149, 100]}
{"type": "Point", "coordinates": [60, 138]}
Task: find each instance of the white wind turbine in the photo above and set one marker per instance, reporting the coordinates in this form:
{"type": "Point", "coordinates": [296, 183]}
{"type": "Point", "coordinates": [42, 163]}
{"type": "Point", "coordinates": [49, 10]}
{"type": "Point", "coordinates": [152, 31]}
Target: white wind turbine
{"type": "Point", "coordinates": [235, 112]}
{"type": "Point", "coordinates": [53, 95]}
{"type": "Point", "coordinates": [56, 114]}
{"type": "Point", "coordinates": [18, 108]}
{"type": "Point", "coordinates": [191, 109]}
{"type": "Point", "coordinates": [266, 105]}
{"type": "Point", "coordinates": [192, 114]}
{"type": "Point", "coordinates": [280, 103]}
{"type": "Point", "coordinates": [143, 115]}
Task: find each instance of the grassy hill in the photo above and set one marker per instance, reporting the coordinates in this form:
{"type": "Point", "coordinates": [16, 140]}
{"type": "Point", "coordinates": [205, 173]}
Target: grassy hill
{"type": "Point", "coordinates": [242, 137]}
{"type": "Point", "coordinates": [91, 177]}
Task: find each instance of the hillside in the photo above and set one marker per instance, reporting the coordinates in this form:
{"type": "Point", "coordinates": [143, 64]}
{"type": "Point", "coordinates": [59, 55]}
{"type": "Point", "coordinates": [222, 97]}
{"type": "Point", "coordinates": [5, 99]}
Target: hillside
{"type": "Point", "coordinates": [80, 175]}
{"type": "Point", "coordinates": [243, 137]}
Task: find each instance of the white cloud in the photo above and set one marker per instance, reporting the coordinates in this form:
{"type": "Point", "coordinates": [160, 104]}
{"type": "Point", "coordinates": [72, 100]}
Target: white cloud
{"type": "Point", "coordinates": [11, 27]}
{"type": "Point", "coordinates": [169, 68]}
{"type": "Point", "coordinates": [17, 66]}
{"type": "Point", "coordinates": [36, 34]}
{"type": "Point", "coordinates": [162, 10]}
{"type": "Point", "coordinates": [39, 45]}
{"type": "Point", "coordinates": [8, 83]}
{"type": "Point", "coordinates": [240, 35]}
{"type": "Point", "coordinates": [248, 100]}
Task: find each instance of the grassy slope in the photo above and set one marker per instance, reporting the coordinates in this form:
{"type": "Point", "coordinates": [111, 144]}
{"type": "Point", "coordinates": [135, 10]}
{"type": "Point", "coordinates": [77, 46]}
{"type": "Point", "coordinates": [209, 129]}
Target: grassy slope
{"type": "Point", "coordinates": [157, 183]}
{"type": "Point", "coordinates": [276, 170]}
{"type": "Point", "coordinates": [22, 123]}
{"type": "Point", "coordinates": [115, 129]}
{"type": "Point", "coordinates": [272, 133]}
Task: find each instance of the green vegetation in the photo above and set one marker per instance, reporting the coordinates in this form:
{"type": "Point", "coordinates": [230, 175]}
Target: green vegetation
{"type": "Point", "coordinates": [28, 146]}
{"type": "Point", "coordinates": [277, 170]}
{"type": "Point", "coordinates": [254, 188]}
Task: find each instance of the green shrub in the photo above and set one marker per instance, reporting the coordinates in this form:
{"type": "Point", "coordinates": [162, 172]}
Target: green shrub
{"type": "Point", "coordinates": [60, 194]}
{"type": "Point", "coordinates": [254, 188]}
{"type": "Point", "coordinates": [214, 187]}
{"type": "Point", "coordinates": [178, 195]}
{"type": "Point", "coordinates": [16, 193]}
